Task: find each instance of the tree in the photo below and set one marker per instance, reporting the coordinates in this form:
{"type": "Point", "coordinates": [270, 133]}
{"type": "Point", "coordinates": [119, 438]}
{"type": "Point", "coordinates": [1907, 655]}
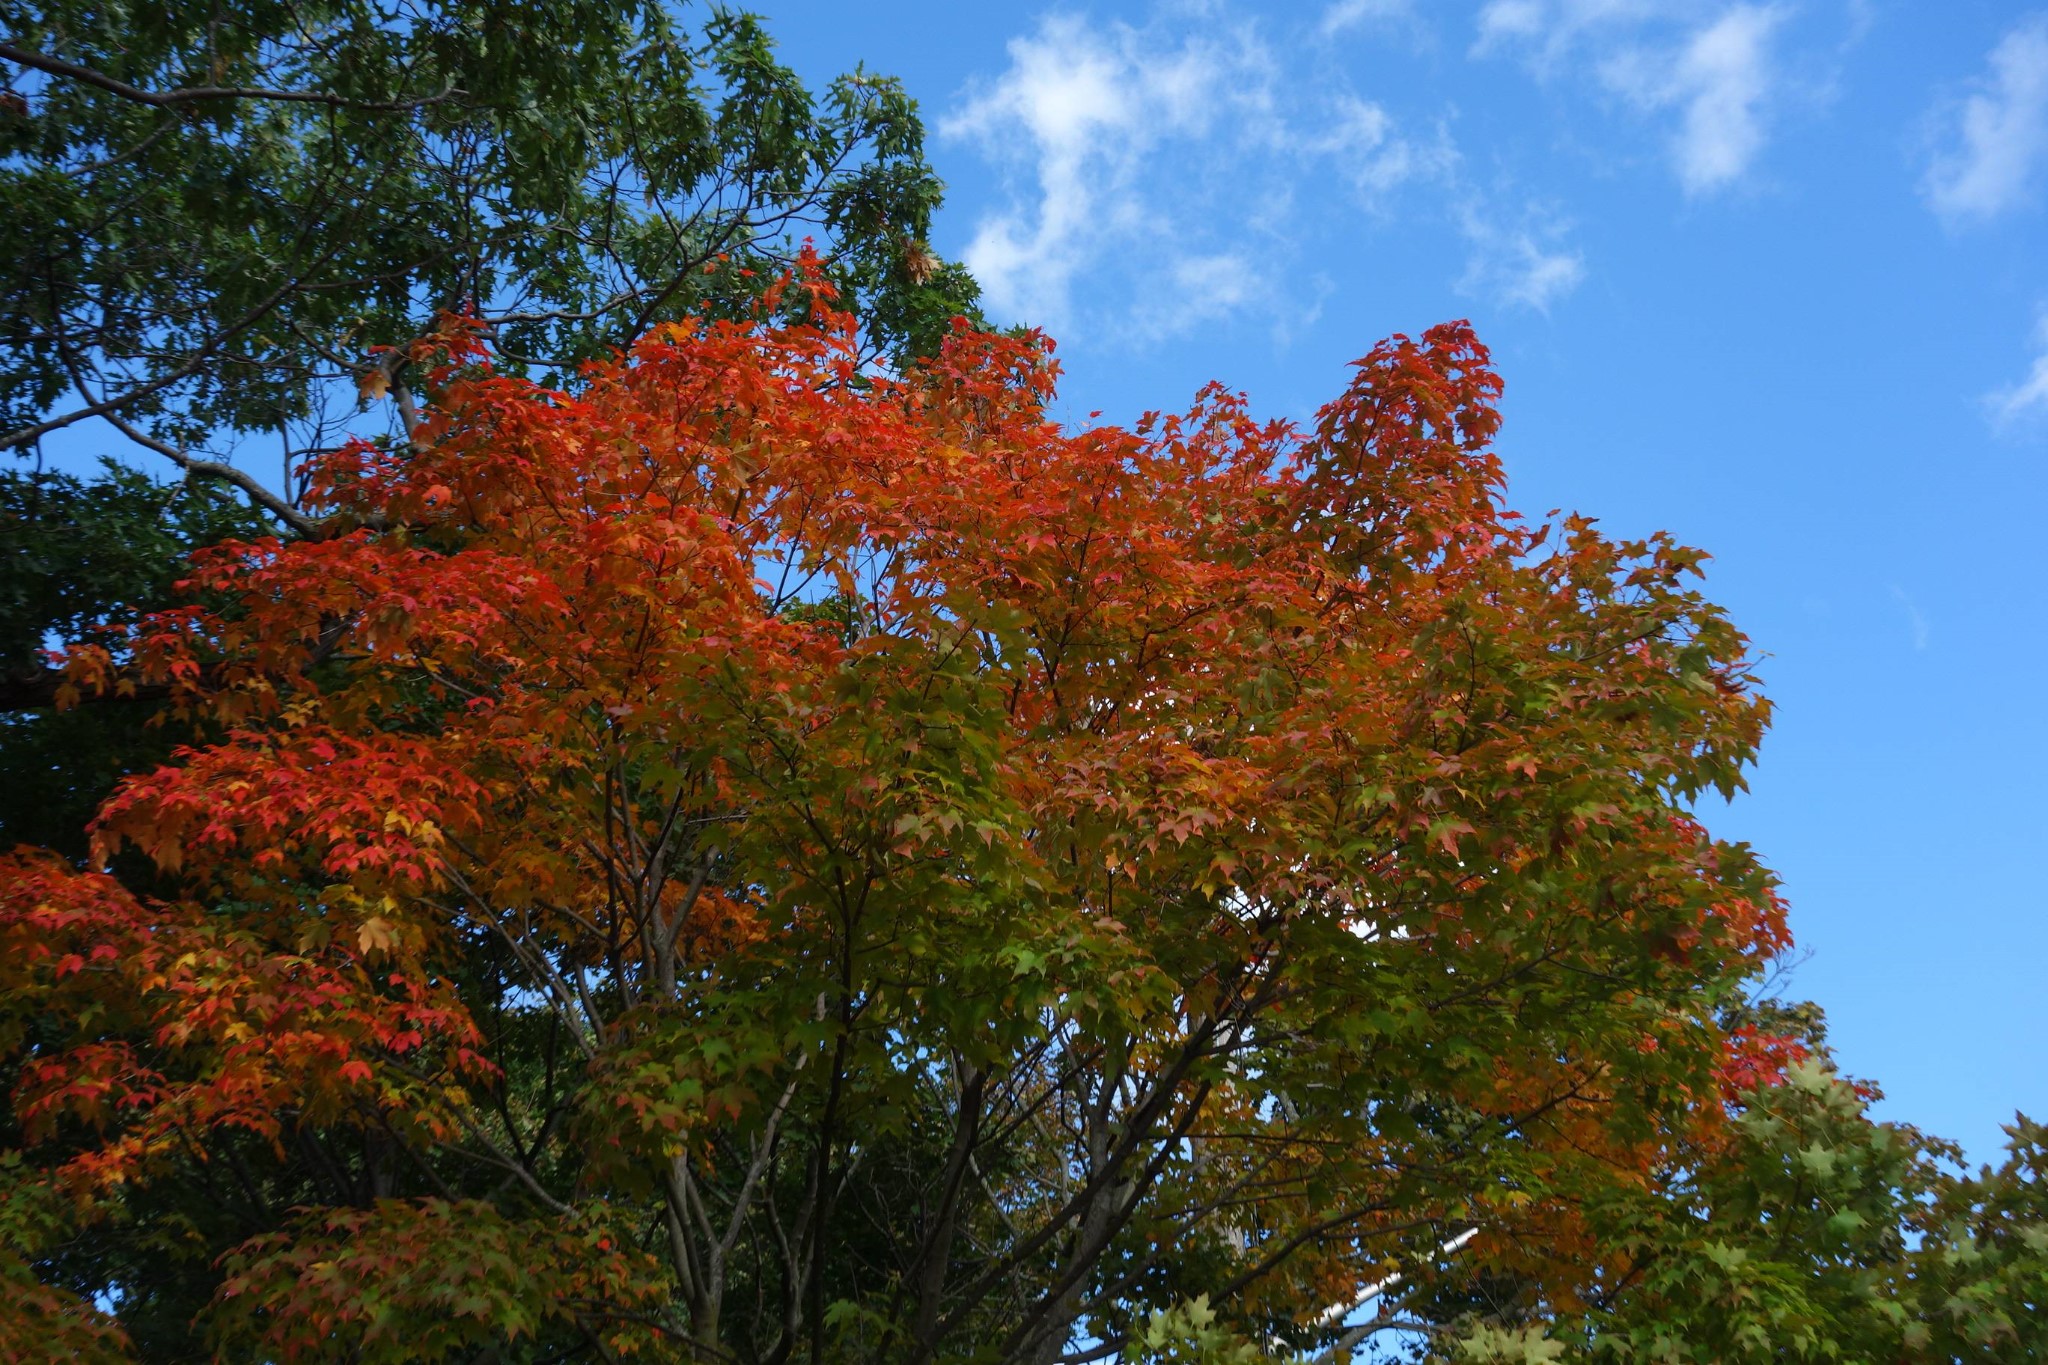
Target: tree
{"type": "Point", "coordinates": [233, 228]}
{"type": "Point", "coordinates": [1802, 1231]}
{"type": "Point", "coordinates": [245, 214]}
{"type": "Point", "coordinates": [758, 858]}
{"type": "Point", "coordinates": [81, 555]}
{"type": "Point", "coordinates": [1980, 1274]}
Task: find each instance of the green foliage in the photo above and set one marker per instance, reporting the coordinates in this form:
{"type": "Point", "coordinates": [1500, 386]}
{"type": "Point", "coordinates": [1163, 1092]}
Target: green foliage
{"type": "Point", "coordinates": [82, 554]}
{"type": "Point", "coordinates": [48, 1322]}
{"type": "Point", "coordinates": [496, 1287]}
{"type": "Point", "coordinates": [224, 213]}
{"type": "Point", "coordinates": [1781, 1247]}
{"type": "Point", "coordinates": [77, 556]}
{"type": "Point", "coordinates": [1810, 1234]}
{"type": "Point", "coordinates": [1189, 1334]}
{"type": "Point", "coordinates": [1487, 1344]}
{"type": "Point", "coordinates": [1980, 1277]}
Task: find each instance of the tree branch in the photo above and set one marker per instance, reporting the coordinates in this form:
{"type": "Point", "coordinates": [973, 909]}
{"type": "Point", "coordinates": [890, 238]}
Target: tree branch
{"type": "Point", "coordinates": [252, 487]}
{"type": "Point", "coordinates": [168, 99]}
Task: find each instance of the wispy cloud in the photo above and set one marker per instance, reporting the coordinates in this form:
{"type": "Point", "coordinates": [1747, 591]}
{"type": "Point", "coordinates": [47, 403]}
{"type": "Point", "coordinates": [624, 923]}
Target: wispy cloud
{"type": "Point", "coordinates": [1722, 77]}
{"type": "Point", "coordinates": [1520, 262]}
{"type": "Point", "coordinates": [1159, 165]}
{"type": "Point", "coordinates": [1200, 289]}
{"type": "Point", "coordinates": [1546, 30]}
{"type": "Point", "coordinates": [1090, 105]}
{"type": "Point", "coordinates": [1715, 70]}
{"type": "Point", "coordinates": [1178, 175]}
{"type": "Point", "coordinates": [1368, 147]}
{"type": "Point", "coordinates": [1994, 142]}
{"type": "Point", "coordinates": [2026, 402]}
{"type": "Point", "coordinates": [1346, 14]}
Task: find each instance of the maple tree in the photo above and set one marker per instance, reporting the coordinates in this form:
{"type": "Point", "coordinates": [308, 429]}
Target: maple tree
{"type": "Point", "coordinates": [759, 858]}
{"type": "Point", "coordinates": [229, 222]}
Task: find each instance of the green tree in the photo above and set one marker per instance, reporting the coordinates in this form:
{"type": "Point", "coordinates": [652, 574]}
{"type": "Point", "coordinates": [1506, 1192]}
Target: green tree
{"type": "Point", "coordinates": [231, 221]}
{"type": "Point", "coordinates": [1804, 1231]}
{"type": "Point", "coordinates": [1979, 1278]}
{"type": "Point", "coordinates": [80, 556]}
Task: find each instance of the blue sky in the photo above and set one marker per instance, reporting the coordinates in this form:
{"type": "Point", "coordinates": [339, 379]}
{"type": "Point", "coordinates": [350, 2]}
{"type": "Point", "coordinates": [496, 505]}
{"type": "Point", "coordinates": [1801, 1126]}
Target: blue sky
{"type": "Point", "coordinates": [1770, 275]}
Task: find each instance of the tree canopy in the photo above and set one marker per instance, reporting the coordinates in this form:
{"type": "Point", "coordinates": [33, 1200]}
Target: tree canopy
{"type": "Point", "coordinates": [232, 227]}
{"type": "Point", "coordinates": [759, 859]}
{"type": "Point", "coordinates": [238, 217]}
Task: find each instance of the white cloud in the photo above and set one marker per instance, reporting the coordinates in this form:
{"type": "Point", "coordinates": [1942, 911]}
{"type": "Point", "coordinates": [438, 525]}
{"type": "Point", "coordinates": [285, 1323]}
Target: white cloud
{"type": "Point", "coordinates": [1998, 137]}
{"type": "Point", "coordinates": [1178, 175]}
{"type": "Point", "coordinates": [1365, 143]}
{"type": "Point", "coordinates": [1721, 77]}
{"type": "Point", "coordinates": [1715, 68]}
{"type": "Point", "coordinates": [1201, 289]}
{"type": "Point", "coordinates": [1344, 14]}
{"type": "Point", "coordinates": [1546, 29]}
{"type": "Point", "coordinates": [1154, 171]}
{"type": "Point", "coordinates": [2026, 401]}
{"type": "Point", "coordinates": [1523, 263]}
{"type": "Point", "coordinates": [1503, 20]}
{"type": "Point", "coordinates": [1091, 107]}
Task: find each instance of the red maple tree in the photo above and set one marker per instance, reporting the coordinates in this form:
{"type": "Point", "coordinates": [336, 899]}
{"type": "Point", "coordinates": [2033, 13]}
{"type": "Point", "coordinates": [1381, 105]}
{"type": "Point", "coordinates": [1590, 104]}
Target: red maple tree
{"type": "Point", "coordinates": [758, 857]}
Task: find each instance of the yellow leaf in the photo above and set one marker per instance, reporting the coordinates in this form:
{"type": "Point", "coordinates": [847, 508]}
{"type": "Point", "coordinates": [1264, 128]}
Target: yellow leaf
{"type": "Point", "coordinates": [376, 935]}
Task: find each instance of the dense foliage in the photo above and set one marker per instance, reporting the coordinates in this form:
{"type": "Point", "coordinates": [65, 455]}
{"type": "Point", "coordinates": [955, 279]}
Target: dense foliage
{"type": "Point", "coordinates": [232, 219]}
{"type": "Point", "coordinates": [82, 554]}
{"type": "Point", "coordinates": [233, 227]}
{"type": "Point", "coordinates": [756, 859]}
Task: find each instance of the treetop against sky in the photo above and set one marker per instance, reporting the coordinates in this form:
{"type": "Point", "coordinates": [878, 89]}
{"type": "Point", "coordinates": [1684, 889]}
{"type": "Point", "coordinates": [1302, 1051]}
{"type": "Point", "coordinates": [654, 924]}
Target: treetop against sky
{"type": "Point", "coordinates": [1767, 274]}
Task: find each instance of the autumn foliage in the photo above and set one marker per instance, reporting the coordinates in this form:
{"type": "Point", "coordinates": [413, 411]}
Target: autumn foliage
{"type": "Point", "coordinates": [757, 858]}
